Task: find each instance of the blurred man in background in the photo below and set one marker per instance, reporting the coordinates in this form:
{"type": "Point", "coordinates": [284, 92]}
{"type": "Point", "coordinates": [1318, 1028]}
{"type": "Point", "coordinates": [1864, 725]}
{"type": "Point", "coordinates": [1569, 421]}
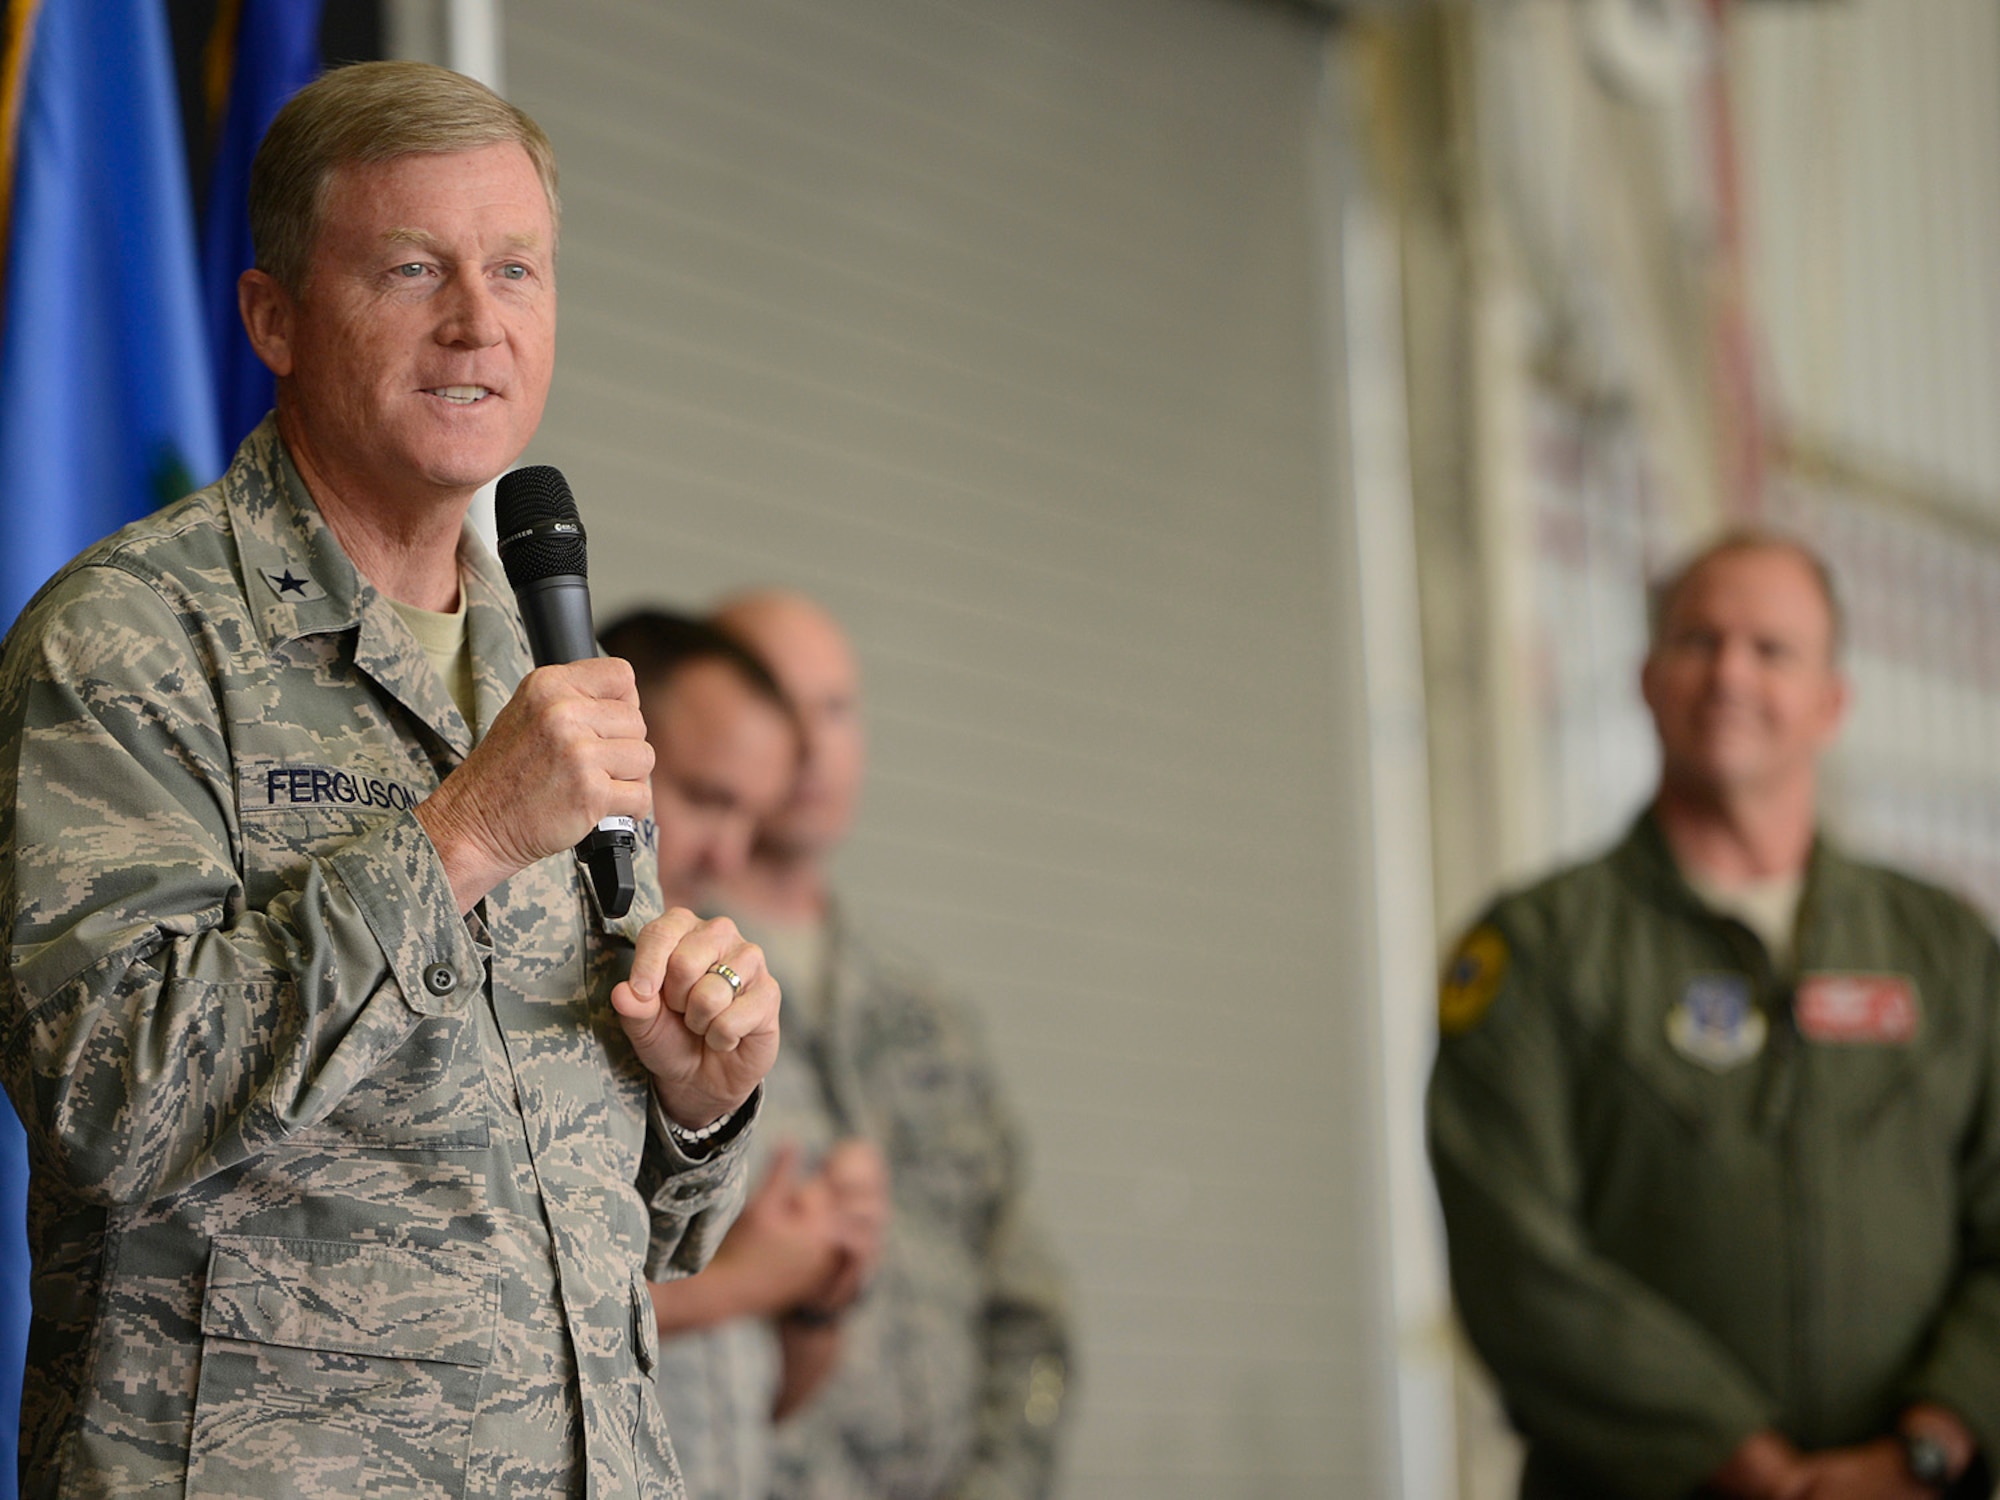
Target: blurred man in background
{"type": "Point", "coordinates": [946, 1377]}
{"type": "Point", "coordinates": [1716, 1117]}
{"type": "Point", "coordinates": [726, 757]}
{"type": "Point", "coordinates": [725, 745]}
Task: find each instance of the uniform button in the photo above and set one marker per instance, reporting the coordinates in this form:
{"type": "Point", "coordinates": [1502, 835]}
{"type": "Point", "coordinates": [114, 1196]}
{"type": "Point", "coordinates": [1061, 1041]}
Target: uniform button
{"type": "Point", "coordinates": [439, 979]}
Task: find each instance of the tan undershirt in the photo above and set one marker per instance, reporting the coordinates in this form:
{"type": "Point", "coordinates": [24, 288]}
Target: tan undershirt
{"type": "Point", "coordinates": [449, 649]}
{"type": "Point", "coordinates": [1769, 908]}
{"type": "Point", "coordinates": [795, 953]}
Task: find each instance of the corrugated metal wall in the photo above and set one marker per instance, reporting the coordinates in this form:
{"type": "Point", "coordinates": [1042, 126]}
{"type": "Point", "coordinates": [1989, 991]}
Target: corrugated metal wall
{"type": "Point", "coordinates": [1871, 142]}
{"type": "Point", "coordinates": [996, 324]}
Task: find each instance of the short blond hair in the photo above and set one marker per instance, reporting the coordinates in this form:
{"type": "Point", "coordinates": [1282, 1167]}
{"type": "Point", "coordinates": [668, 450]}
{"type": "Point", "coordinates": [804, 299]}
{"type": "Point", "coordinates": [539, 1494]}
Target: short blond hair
{"type": "Point", "coordinates": [1750, 539]}
{"type": "Point", "coordinates": [370, 112]}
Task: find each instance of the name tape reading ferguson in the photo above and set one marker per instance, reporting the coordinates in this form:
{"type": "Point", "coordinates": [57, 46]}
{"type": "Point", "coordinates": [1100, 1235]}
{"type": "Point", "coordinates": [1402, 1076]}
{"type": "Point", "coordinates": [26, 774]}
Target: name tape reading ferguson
{"type": "Point", "coordinates": [268, 788]}
{"type": "Point", "coordinates": [263, 787]}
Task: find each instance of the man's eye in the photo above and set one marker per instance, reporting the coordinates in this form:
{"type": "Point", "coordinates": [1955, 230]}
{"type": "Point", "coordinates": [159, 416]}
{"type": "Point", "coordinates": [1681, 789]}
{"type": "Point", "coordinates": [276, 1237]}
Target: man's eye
{"type": "Point", "coordinates": [410, 270]}
{"type": "Point", "coordinates": [514, 271]}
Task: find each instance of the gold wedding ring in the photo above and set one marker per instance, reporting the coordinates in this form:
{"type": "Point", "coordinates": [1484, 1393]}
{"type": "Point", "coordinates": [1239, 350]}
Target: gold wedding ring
{"type": "Point", "coordinates": [729, 977]}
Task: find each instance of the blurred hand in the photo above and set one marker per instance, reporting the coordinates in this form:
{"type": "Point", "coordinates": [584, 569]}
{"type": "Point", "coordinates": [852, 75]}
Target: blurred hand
{"type": "Point", "coordinates": [568, 751]}
{"type": "Point", "coordinates": [808, 1353]}
{"type": "Point", "coordinates": [1765, 1466]}
{"type": "Point", "coordinates": [706, 1046]}
{"type": "Point", "coordinates": [859, 1180]}
{"type": "Point", "coordinates": [1868, 1471]}
{"type": "Point", "coordinates": [785, 1244]}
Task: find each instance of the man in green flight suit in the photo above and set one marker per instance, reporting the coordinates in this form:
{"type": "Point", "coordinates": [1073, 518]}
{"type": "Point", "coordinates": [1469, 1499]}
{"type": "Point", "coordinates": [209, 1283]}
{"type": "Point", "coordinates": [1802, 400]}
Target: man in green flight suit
{"type": "Point", "coordinates": [1715, 1118]}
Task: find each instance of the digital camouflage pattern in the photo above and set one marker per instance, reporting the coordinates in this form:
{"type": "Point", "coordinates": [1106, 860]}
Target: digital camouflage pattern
{"type": "Point", "coordinates": [1677, 1214]}
{"type": "Point", "coordinates": [954, 1363]}
{"type": "Point", "coordinates": [334, 1191]}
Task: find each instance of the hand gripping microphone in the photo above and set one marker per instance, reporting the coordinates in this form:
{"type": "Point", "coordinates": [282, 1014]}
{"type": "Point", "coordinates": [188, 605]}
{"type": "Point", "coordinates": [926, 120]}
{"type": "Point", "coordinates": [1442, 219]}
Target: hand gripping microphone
{"type": "Point", "coordinates": [542, 549]}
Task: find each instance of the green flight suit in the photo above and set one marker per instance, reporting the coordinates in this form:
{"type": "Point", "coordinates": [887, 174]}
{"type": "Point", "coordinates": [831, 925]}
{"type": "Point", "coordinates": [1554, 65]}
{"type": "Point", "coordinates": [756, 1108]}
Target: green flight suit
{"type": "Point", "coordinates": [1664, 1234]}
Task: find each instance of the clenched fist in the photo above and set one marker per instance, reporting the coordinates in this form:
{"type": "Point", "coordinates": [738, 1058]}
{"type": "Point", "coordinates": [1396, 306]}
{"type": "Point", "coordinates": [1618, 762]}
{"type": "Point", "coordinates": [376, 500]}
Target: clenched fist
{"type": "Point", "coordinates": [707, 1045]}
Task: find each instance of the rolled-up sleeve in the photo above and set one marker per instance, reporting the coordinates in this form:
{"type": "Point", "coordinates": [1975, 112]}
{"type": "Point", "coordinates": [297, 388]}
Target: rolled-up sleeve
{"type": "Point", "coordinates": [159, 1028]}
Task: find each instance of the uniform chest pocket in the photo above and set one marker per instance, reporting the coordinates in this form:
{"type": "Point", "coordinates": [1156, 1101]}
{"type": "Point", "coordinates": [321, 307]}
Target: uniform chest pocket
{"type": "Point", "coordinates": [302, 802]}
{"type": "Point", "coordinates": [332, 1368]}
{"type": "Point", "coordinates": [428, 1095]}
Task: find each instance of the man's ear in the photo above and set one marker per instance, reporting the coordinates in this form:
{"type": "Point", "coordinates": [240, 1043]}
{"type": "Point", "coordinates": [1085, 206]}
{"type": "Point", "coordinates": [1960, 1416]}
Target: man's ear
{"type": "Point", "coordinates": [267, 317]}
{"type": "Point", "coordinates": [1839, 694]}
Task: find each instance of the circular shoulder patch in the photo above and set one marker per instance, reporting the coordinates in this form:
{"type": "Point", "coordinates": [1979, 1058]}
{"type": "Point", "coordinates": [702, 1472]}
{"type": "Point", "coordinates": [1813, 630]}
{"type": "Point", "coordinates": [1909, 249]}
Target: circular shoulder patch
{"type": "Point", "coordinates": [1471, 979]}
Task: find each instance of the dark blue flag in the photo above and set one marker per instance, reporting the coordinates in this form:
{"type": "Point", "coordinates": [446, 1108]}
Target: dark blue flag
{"type": "Point", "coordinates": [261, 53]}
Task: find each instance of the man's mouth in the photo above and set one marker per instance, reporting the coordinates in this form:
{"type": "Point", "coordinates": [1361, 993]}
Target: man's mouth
{"type": "Point", "coordinates": [461, 395]}
{"type": "Point", "coordinates": [1732, 725]}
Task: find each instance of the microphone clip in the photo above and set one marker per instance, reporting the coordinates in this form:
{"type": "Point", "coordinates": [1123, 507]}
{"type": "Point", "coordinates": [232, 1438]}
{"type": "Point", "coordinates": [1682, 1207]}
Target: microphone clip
{"type": "Point", "coordinates": [606, 852]}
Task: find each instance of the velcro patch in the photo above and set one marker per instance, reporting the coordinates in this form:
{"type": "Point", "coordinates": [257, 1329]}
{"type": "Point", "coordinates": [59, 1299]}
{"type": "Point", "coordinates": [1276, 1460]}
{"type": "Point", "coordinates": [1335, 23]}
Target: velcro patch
{"type": "Point", "coordinates": [1857, 1009]}
{"type": "Point", "coordinates": [1715, 1022]}
{"type": "Point", "coordinates": [1471, 980]}
{"type": "Point", "coordinates": [265, 787]}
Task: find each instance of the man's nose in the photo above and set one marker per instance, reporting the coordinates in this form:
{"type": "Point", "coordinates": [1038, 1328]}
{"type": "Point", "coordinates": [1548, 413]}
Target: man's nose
{"type": "Point", "coordinates": [729, 848]}
{"type": "Point", "coordinates": [1735, 663]}
{"type": "Point", "coordinates": [471, 315]}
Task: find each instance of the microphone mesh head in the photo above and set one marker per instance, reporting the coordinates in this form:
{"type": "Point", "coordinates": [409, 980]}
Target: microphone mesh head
{"type": "Point", "coordinates": [540, 532]}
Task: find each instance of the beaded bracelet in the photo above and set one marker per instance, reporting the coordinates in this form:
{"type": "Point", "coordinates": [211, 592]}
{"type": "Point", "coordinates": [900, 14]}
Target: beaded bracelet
{"type": "Point", "coordinates": [686, 1137]}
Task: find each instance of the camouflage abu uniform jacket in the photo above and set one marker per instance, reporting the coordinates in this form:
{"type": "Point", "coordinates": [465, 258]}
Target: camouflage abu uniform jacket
{"type": "Point", "coordinates": [334, 1192]}
{"type": "Point", "coordinates": [953, 1364]}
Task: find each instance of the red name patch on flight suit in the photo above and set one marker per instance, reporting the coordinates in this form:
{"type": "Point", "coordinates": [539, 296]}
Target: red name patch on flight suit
{"type": "Point", "coordinates": [1869, 1009]}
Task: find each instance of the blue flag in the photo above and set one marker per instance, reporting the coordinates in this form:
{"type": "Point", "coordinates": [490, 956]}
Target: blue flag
{"type": "Point", "coordinates": [106, 400]}
{"type": "Point", "coordinates": [262, 52]}
{"type": "Point", "coordinates": [107, 406]}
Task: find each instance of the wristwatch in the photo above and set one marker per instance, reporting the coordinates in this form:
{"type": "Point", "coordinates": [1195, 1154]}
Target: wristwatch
{"type": "Point", "coordinates": [1928, 1460]}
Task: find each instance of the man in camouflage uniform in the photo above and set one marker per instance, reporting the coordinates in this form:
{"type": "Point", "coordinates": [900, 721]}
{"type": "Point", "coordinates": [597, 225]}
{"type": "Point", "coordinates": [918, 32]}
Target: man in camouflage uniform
{"type": "Point", "coordinates": [350, 1115]}
{"type": "Point", "coordinates": [726, 747]}
{"type": "Point", "coordinates": [946, 1376]}
{"type": "Point", "coordinates": [1716, 1117]}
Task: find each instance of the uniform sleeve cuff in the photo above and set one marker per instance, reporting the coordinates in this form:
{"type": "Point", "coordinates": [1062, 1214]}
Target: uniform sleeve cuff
{"type": "Point", "coordinates": [396, 879]}
{"type": "Point", "coordinates": [724, 1145]}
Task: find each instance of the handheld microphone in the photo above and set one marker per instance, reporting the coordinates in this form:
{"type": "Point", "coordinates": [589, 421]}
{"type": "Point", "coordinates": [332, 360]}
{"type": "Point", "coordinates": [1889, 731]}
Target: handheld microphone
{"type": "Point", "coordinates": [542, 549]}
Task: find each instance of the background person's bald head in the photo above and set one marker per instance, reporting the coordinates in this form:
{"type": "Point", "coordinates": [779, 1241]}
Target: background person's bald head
{"type": "Point", "coordinates": [809, 654]}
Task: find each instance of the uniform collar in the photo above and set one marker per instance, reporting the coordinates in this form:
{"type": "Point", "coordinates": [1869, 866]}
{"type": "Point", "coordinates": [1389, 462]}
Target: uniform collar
{"type": "Point", "coordinates": [493, 628]}
{"type": "Point", "coordinates": [301, 583]}
{"type": "Point", "coordinates": [299, 580]}
{"type": "Point", "coordinates": [1646, 861]}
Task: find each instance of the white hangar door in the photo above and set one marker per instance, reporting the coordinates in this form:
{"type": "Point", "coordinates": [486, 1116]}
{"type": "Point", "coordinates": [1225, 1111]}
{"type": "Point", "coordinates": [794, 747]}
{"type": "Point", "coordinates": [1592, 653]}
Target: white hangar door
{"type": "Point", "coordinates": [999, 326]}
